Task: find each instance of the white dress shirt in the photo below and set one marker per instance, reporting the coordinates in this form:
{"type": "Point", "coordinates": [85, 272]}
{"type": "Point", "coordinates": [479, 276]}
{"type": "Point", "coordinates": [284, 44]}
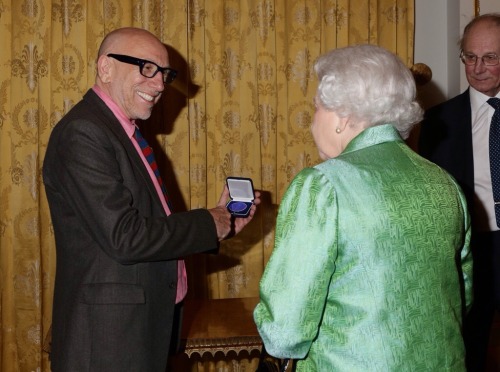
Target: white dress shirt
{"type": "Point", "coordinates": [482, 113]}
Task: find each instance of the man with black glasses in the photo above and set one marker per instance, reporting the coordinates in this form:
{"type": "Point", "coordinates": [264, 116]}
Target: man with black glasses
{"type": "Point", "coordinates": [119, 248]}
{"type": "Point", "coordinates": [461, 136]}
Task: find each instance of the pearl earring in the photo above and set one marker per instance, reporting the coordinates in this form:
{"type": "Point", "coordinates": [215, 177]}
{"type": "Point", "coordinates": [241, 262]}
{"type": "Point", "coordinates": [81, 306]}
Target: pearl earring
{"type": "Point", "coordinates": [338, 130]}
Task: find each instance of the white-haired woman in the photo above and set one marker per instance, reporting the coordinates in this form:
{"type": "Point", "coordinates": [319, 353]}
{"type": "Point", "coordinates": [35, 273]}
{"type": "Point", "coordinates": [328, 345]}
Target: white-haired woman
{"type": "Point", "coordinates": [371, 265]}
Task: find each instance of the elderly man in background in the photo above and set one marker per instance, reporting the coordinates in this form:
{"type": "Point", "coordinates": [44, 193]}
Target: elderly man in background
{"type": "Point", "coordinates": [460, 136]}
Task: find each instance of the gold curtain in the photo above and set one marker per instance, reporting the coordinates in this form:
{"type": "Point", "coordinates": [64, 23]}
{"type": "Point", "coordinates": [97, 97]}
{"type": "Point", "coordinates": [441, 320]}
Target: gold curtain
{"type": "Point", "coordinates": [242, 106]}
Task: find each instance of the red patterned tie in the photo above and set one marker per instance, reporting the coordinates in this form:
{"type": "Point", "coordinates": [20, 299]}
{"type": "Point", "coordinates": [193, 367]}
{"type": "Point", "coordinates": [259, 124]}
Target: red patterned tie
{"type": "Point", "coordinates": [150, 157]}
{"type": "Point", "coordinates": [148, 154]}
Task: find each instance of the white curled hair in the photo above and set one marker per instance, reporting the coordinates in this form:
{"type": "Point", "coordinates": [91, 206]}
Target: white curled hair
{"type": "Point", "coordinates": [368, 84]}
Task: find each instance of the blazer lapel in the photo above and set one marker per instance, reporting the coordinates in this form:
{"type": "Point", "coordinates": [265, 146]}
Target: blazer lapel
{"type": "Point", "coordinates": [112, 123]}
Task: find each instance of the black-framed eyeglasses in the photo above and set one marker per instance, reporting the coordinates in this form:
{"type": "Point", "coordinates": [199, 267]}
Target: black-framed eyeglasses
{"type": "Point", "coordinates": [469, 59]}
{"type": "Point", "coordinates": [147, 68]}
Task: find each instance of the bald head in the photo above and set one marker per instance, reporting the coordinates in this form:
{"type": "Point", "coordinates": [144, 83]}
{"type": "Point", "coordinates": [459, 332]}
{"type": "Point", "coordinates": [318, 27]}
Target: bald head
{"type": "Point", "coordinates": [127, 38]}
{"type": "Point", "coordinates": [489, 20]}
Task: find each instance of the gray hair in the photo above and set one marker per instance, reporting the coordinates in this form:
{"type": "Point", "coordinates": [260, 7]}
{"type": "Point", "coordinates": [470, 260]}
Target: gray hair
{"type": "Point", "coordinates": [368, 84]}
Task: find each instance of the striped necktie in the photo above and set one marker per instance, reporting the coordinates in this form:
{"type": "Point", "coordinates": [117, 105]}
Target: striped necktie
{"type": "Point", "coordinates": [148, 154]}
{"type": "Point", "coordinates": [495, 155]}
{"type": "Point", "coordinates": [150, 157]}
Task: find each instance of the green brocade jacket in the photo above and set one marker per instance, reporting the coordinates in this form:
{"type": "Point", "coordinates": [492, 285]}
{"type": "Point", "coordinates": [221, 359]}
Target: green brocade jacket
{"type": "Point", "coordinates": [371, 269]}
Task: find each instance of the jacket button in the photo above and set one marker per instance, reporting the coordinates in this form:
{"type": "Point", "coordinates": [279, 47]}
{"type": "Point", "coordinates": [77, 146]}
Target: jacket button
{"type": "Point", "coordinates": [172, 285]}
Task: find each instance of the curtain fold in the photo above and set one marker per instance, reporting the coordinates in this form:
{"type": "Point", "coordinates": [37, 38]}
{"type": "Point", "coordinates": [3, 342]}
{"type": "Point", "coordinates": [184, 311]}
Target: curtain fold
{"type": "Point", "coordinates": [242, 106]}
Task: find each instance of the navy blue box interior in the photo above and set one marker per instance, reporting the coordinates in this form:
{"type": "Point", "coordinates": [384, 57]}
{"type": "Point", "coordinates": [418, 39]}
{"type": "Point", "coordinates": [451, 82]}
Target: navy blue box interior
{"type": "Point", "coordinates": [241, 194]}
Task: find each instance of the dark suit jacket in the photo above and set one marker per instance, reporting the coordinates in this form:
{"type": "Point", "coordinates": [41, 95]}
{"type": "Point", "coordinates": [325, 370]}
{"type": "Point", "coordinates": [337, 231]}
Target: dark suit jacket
{"type": "Point", "coordinates": [446, 139]}
{"type": "Point", "coordinates": [117, 251]}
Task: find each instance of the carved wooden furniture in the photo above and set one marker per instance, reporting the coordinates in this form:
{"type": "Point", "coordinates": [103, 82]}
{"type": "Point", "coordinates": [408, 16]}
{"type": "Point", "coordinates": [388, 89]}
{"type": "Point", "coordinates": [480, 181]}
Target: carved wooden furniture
{"type": "Point", "coordinates": [218, 335]}
{"type": "Point", "coordinates": [224, 325]}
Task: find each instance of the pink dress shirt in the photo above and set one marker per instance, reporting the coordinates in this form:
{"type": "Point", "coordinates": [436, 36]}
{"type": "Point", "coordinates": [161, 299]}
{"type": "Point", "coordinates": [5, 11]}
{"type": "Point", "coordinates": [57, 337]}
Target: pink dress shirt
{"type": "Point", "coordinates": [129, 127]}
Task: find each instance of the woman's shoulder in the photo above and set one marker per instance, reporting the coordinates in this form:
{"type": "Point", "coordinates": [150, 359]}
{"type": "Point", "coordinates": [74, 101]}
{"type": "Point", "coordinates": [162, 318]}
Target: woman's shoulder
{"type": "Point", "coordinates": [308, 173]}
{"type": "Point", "coordinates": [311, 178]}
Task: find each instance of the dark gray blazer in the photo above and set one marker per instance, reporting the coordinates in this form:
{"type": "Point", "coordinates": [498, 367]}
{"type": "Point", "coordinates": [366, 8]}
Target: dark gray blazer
{"type": "Point", "coordinates": [117, 251]}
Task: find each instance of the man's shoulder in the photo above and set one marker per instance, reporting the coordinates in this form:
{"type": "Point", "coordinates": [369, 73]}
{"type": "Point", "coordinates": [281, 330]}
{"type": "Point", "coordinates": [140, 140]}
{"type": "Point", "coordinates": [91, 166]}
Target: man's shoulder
{"type": "Point", "coordinates": [460, 102]}
{"type": "Point", "coordinates": [446, 131]}
{"type": "Point", "coordinates": [90, 114]}
{"type": "Point", "coordinates": [89, 107]}
{"type": "Point", "coordinates": [89, 99]}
